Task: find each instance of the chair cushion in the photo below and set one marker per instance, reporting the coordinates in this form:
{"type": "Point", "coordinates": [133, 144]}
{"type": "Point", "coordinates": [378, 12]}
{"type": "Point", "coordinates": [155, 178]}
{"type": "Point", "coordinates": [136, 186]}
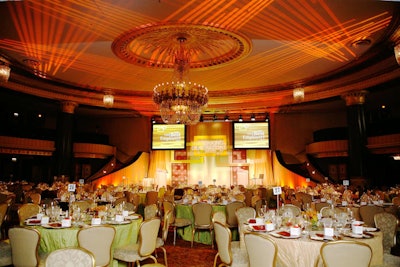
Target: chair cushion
{"type": "Point", "coordinates": [127, 253]}
{"type": "Point", "coordinates": [159, 242]}
{"type": "Point", "coordinates": [180, 222]}
{"type": "Point", "coordinates": [239, 255]}
{"type": "Point", "coordinates": [5, 253]}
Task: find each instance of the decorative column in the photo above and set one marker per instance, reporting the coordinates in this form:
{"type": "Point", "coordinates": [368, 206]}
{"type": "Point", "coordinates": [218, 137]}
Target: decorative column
{"type": "Point", "coordinates": [63, 166]}
{"type": "Point", "coordinates": [357, 136]}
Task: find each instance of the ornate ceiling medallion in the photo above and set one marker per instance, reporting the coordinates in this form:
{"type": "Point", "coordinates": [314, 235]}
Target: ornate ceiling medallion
{"type": "Point", "coordinates": [154, 45]}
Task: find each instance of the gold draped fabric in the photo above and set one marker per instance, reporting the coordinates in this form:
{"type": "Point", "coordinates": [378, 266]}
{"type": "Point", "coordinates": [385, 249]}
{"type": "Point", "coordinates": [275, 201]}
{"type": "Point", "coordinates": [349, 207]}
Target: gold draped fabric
{"type": "Point", "coordinates": [160, 160]}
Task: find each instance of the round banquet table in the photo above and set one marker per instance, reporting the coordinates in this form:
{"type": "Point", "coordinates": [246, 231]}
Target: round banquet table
{"type": "Point", "coordinates": [306, 252]}
{"type": "Point", "coordinates": [185, 211]}
{"type": "Point", "coordinates": [52, 239]}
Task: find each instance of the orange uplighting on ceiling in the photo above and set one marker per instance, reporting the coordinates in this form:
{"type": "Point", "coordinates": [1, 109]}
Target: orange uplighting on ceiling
{"type": "Point", "coordinates": [47, 32]}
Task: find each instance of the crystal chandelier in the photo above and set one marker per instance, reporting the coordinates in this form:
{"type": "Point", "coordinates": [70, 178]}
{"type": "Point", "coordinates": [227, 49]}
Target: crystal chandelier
{"type": "Point", "coordinates": [180, 100]}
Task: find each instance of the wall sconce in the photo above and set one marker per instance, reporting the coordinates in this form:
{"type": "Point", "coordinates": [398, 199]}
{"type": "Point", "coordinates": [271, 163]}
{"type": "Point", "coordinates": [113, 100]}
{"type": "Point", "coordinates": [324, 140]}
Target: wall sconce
{"type": "Point", "coordinates": [298, 94]}
{"type": "Point", "coordinates": [4, 73]}
{"type": "Point", "coordinates": [397, 52]}
{"type": "Point", "coordinates": [108, 100]}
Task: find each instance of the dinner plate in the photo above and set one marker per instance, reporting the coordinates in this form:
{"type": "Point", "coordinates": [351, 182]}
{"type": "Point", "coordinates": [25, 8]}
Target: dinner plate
{"type": "Point", "coordinates": [258, 228]}
{"type": "Point", "coordinates": [32, 222]}
{"type": "Point", "coordinates": [359, 236]}
{"type": "Point", "coordinates": [54, 226]}
{"type": "Point", "coordinates": [284, 234]}
{"type": "Point", "coordinates": [117, 223]}
{"type": "Point", "coordinates": [132, 217]}
{"type": "Point", "coordinates": [319, 236]}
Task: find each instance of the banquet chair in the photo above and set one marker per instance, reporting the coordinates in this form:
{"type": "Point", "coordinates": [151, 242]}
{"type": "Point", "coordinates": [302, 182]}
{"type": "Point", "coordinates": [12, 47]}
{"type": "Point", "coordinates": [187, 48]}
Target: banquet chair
{"type": "Point", "coordinates": [396, 201]}
{"type": "Point", "coordinates": [129, 206]}
{"type": "Point", "coordinates": [387, 223]}
{"type": "Point", "coordinates": [151, 198]}
{"type": "Point", "coordinates": [202, 213]}
{"type": "Point", "coordinates": [35, 198]}
{"type": "Point", "coordinates": [3, 217]}
{"type": "Point", "coordinates": [173, 221]}
{"type": "Point", "coordinates": [161, 241]}
{"type": "Point", "coordinates": [135, 200]}
{"type": "Point", "coordinates": [5, 253]}
{"type": "Point", "coordinates": [346, 253]}
{"type": "Point", "coordinates": [327, 212]}
{"type": "Point", "coordinates": [150, 211]}
{"type": "Point", "coordinates": [24, 246]}
{"type": "Point", "coordinates": [231, 219]}
{"type": "Point", "coordinates": [262, 250]}
{"type": "Point", "coordinates": [81, 204]}
{"type": "Point", "coordinates": [120, 200]}
{"type": "Point", "coordinates": [219, 216]}
{"type": "Point", "coordinates": [258, 206]}
{"type": "Point", "coordinates": [243, 214]}
{"type": "Point", "coordinates": [320, 205]}
{"type": "Point", "coordinates": [368, 212]}
{"type": "Point", "coordinates": [248, 195]}
{"type": "Point", "coordinates": [145, 246]}
{"type": "Point", "coordinates": [296, 211]}
{"type": "Point", "coordinates": [178, 193]}
{"type": "Point", "coordinates": [26, 211]}
{"type": "Point", "coordinates": [98, 240]}
{"type": "Point", "coordinates": [74, 256]}
{"type": "Point", "coordinates": [229, 253]}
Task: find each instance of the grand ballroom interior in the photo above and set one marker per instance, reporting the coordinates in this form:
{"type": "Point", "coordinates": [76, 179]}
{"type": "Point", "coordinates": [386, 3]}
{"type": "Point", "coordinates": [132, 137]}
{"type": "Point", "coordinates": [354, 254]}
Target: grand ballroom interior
{"type": "Point", "coordinates": [84, 83]}
{"type": "Point", "coordinates": [231, 123]}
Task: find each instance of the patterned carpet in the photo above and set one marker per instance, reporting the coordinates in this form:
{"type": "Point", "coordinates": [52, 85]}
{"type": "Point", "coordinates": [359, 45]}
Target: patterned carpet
{"type": "Point", "coordinates": [183, 255]}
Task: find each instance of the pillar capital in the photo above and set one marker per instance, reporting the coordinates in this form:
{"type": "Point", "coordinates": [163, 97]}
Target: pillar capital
{"type": "Point", "coordinates": [68, 106]}
{"type": "Point", "coordinates": [355, 97]}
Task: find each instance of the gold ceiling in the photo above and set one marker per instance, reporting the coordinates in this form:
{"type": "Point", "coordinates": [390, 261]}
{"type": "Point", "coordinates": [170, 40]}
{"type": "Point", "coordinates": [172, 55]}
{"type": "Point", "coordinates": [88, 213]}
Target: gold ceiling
{"type": "Point", "coordinates": [250, 54]}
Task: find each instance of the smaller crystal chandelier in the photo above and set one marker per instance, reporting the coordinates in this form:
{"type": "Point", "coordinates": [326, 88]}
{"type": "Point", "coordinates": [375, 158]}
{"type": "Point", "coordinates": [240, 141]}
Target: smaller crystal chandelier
{"type": "Point", "coordinates": [108, 100]}
{"type": "Point", "coordinates": [180, 100]}
{"type": "Point", "coordinates": [4, 73]}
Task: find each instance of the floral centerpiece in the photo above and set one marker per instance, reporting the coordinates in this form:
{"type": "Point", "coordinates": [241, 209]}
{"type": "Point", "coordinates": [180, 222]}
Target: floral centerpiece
{"type": "Point", "coordinates": [312, 216]}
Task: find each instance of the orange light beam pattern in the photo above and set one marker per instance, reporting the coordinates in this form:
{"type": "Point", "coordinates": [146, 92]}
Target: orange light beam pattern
{"type": "Point", "coordinates": [304, 32]}
{"type": "Point", "coordinates": [209, 11]}
{"type": "Point", "coordinates": [33, 37]}
{"type": "Point", "coordinates": [219, 12]}
{"type": "Point", "coordinates": [247, 13]}
{"type": "Point", "coordinates": [47, 14]}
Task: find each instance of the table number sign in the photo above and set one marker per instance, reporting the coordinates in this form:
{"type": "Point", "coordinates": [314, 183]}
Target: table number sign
{"type": "Point", "coordinates": [346, 182]}
{"type": "Point", "coordinates": [71, 187]}
{"type": "Point", "coordinates": [277, 190]}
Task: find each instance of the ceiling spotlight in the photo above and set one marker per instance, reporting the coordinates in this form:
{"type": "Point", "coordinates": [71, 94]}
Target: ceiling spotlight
{"type": "Point", "coordinates": [215, 117]}
{"type": "Point", "coordinates": [240, 118]}
{"type": "Point", "coordinates": [267, 117]}
{"type": "Point", "coordinates": [253, 118]}
{"type": "Point", "coordinates": [153, 120]}
{"type": "Point", "coordinates": [226, 118]}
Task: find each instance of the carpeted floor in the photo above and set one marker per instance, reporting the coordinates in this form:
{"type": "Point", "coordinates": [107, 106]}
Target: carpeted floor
{"type": "Point", "coordinates": [183, 255]}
